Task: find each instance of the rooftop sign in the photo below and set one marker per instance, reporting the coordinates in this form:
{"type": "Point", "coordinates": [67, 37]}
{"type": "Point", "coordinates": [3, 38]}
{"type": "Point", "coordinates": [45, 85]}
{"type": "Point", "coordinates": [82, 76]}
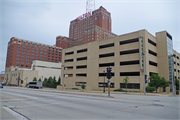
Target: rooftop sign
{"type": "Point", "coordinates": [83, 16]}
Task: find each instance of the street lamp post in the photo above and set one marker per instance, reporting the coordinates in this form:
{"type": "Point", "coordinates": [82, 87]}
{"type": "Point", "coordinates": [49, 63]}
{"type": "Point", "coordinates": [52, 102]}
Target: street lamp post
{"type": "Point", "coordinates": [62, 77]}
{"type": "Point", "coordinates": [144, 72]}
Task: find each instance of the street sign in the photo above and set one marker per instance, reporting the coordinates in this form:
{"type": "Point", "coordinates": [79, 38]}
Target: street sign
{"type": "Point", "coordinates": [109, 82]}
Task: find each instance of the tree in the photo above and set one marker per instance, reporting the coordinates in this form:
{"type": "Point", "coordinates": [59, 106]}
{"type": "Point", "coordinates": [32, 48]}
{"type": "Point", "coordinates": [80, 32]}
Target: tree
{"type": "Point", "coordinates": [34, 79]}
{"type": "Point", "coordinates": [39, 79]}
{"type": "Point", "coordinates": [21, 81]}
{"type": "Point", "coordinates": [83, 86]}
{"type": "Point", "coordinates": [59, 81]}
{"type": "Point", "coordinates": [157, 81]}
{"type": "Point", "coordinates": [177, 83]}
{"type": "Point", "coordinates": [50, 82]}
{"type": "Point", "coordinates": [125, 80]}
{"type": "Point", "coordinates": [54, 80]}
{"type": "Point", "coordinates": [45, 81]}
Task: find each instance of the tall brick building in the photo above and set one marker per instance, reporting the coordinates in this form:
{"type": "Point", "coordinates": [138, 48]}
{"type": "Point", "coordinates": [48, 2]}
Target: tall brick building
{"type": "Point", "coordinates": [21, 53]}
{"type": "Point", "coordinates": [87, 29]}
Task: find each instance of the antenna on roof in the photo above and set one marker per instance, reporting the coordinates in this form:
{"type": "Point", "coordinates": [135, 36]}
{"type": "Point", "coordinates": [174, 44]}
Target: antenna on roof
{"type": "Point", "coordinates": [90, 5]}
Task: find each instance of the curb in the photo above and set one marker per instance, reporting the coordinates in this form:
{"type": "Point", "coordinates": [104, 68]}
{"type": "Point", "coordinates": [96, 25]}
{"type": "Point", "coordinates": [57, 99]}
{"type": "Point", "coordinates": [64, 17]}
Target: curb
{"type": "Point", "coordinates": [67, 93]}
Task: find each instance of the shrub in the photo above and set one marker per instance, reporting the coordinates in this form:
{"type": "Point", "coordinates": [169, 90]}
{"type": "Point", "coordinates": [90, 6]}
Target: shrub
{"type": "Point", "coordinates": [75, 88]}
{"type": "Point", "coordinates": [120, 90]}
{"type": "Point", "coordinates": [150, 89]}
{"type": "Point", "coordinates": [83, 86]}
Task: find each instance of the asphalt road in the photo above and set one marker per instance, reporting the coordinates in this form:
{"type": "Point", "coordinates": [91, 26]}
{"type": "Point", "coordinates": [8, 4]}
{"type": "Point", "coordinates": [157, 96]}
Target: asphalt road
{"type": "Point", "coordinates": [36, 105]}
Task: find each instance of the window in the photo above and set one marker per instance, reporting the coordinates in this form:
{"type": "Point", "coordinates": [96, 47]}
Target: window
{"type": "Point", "coordinates": [27, 59]}
{"type": "Point", "coordinates": [106, 46]}
{"type": "Point", "coordinates": [23, 49]}
{"type": "Point", "coordinates": [82, 66]}
{"type": "Point", "coordinates": [24, 42]}
{"type": "Point", "coordinates": [17, 58]}
{"type": "Point", "coordinates": [37, 48]}
{"type": "Point", "coordinates": [28, 49]}
{"type": "Point", "coordinates": [130, 85]}
{"type": "Point", "coordinates": [69, 53]}
{"type": "Point", "coordinates": [37, 51]}
{"type": "Point", "coordinates": [106, 64]}
{"type": "Point", "coordinates": [18, 54]}
{"type": "Point", "coordinates": [22, 62]}
{"type": "Point", "coordinates": [29, 43]}
{"type": "Point", "coordinates": [37, 54]}
{"type": "Point", "coordinates": [129, 52]}
{"type": "Point", "coordinates": [44, 58]}
{"type": "Point", "coordinates": [151, 42]}
{"type": "Point", "coordinates": [18, 51]}
{"type": "Point", "coordinates": [129, 41]}
{"type": "Point", "coordinates": [41, 52]}
{"type": "Point", "coordinates": [23, 55]}
{"type": "Point", "coordinates": [69, 60]}
{"type": "Point", "coordinates": [37, 45]}
{"type": "Point", "coordinates": [32, 47]}
{"type": "Point", "coordinates": [130, 62]}
{"type": "Point", "coordinates": [45, 49]}
{"type": "Point", "coordinates": [23, 52]}
{"type": "Point", "coordinates": [27, 56]}
{"type": "Point", "coordinates": [81, 75]}
{"type": "Point", "coordinates": [45, 53]}
{"type": "Point", "coordinates": [129, 73]}
{"type": "Point", "coordinates": [24, 45]}
{"type": "Point", "coordinates": [32, 50]}
{"type": "Point", "coordinates": [22, 58]}
{"type": "Point", "coordinates": [152, 63]}
{"type": "Point", "coordinates": [82, 58]}
{"type": "Point", "coordinates": [40, 57]}
{"type": "Point", "coordinates": [28, 53]}
{"type": "Point", "coordinates": [36, 57]}
{"type": "Point", "coordinates": [32, 56]}
{"type": "Point", "coordinates": [32, 53]}
{"type": "Point", "coordinates": [17, 61]}
{"type": "Point", "coordinates": [28, 46]}
{"type": "Point", "coordinates": [106, 55]}
{"type": "Point", "coordinates": [152, 53]}
{"type": "Point", "coordinates": [27, 62]}
{"type": "Point", "coordinates": [101, 84]}
{"type": "Point", "coordinates": [41, 48]}
{"type": "Point", "coordinates": [19, 48]}
{"type": "Point", "coordinates": [19, 44]}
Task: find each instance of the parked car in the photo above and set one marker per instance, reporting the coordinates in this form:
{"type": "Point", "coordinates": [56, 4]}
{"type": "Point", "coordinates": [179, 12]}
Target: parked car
{"type": "Point", "coordinates": [1, 86]}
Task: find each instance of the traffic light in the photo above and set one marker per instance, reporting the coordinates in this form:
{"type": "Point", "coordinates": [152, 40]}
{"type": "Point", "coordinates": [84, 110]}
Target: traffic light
{"type": "Point", "coordinates": [108, 75]}
{"type": "Point", "coordinates": [145, 78]}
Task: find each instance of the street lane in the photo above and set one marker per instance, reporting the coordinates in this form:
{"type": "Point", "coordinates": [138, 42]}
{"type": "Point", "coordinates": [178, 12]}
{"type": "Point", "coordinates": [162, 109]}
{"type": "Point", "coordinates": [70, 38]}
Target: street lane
{"type": "Point", "coordinates": [49, 105]}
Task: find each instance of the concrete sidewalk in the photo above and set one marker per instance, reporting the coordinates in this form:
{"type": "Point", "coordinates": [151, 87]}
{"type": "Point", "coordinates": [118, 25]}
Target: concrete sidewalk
{"type": "Point", "coordinates": [89, 93]}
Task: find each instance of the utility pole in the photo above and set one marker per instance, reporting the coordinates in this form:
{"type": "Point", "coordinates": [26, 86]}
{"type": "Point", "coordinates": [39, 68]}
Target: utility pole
{"type": "Point", "coordinates": [104, 82]}
{"type": "Point", "coordinates": [62, 77]}
{"type": "Point", "coordinates": [144, 73]}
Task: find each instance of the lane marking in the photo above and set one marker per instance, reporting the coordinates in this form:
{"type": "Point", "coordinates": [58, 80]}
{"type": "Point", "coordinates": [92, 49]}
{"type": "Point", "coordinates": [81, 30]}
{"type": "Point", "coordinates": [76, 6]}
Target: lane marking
{"type": "Point", "coordinates": [20, 95]}
{"type": "Point", "coordinates": [15, 114]}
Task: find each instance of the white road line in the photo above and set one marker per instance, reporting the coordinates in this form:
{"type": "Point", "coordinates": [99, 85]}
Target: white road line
{"type": "Point", "coordinates": [20, 95]}
{"type": "Point", "coordinates": [15, 114]}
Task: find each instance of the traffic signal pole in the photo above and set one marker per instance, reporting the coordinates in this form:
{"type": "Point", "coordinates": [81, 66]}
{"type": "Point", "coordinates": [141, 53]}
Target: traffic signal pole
{"type": "Point", "coordinates": [109, 91]}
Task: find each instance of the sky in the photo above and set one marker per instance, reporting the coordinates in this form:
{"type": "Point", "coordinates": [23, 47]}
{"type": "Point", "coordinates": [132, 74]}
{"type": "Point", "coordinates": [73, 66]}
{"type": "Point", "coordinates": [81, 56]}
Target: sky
{"type": "Point", "coordinates": [42, 20]}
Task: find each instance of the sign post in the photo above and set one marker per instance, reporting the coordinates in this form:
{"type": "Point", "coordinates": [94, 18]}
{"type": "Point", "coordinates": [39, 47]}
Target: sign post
{"type": "Point", "coordinates": [109, 83]}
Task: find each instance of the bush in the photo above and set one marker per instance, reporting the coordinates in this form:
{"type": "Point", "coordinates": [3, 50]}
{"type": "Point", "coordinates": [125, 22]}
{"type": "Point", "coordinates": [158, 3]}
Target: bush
{"type": "Point", "coordinates": [150, 89]}
{"type": "Point", "coordinates": [75, 88]}
{"type": "Point", "coordinates": [120, 90]}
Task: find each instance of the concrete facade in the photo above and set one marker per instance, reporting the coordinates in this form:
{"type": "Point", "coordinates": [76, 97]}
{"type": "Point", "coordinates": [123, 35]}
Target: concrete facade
{"type": "Point", "coordinates": [39, 69]}
{"type": "Point", "coordinates": [46, 69]}
{"type": "Point", "coordinates": [85, 63]}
